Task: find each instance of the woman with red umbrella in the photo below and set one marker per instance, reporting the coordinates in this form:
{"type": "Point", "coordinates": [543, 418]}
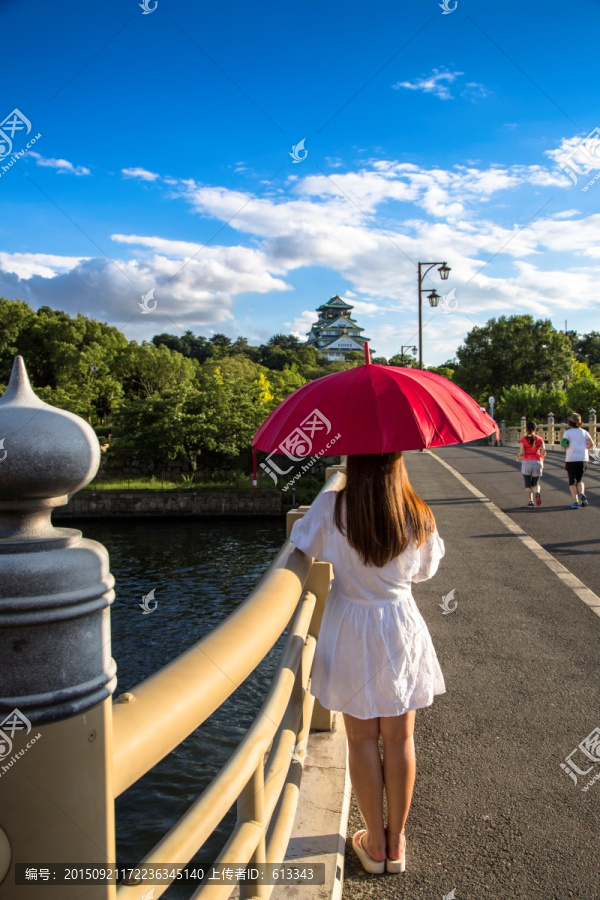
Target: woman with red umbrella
{"type": "Point", "coordinates": [375, 661]}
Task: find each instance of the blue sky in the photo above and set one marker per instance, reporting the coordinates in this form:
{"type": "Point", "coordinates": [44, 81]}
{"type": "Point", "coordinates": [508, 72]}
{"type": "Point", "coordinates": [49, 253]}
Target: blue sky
{"type": "Point", "coordinates": [164, 162]}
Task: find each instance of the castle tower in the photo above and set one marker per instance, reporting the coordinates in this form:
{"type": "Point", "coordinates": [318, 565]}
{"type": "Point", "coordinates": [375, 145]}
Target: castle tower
{"type": "Point", "coordinates": [335, 333]}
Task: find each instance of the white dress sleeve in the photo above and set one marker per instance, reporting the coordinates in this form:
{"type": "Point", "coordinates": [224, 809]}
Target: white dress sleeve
{"type": "Point", "coordinates": [308, 533]}
{"type": "Point", "coordinates": [429, 556]}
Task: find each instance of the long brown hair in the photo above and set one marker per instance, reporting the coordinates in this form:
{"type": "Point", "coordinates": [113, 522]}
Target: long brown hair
{"type": "Point", "coordinates": [531, 430]}
{"type": "Point", "coordinates": [381, 508]}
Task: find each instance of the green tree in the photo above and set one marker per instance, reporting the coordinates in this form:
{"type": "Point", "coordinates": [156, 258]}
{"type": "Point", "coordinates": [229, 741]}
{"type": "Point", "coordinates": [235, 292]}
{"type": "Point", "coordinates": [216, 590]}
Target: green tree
{"type": "Point", "coordinates": [513, 351]}
{"type": "Point", "coordinates": [80, 356]}
{"type": "Point", "coordinates": [356, 357]}
{"type": "Point", "coordinates": [583, 394]}
{"type": "Point", "coordinates": [284, 382]}
{"type": "Point", "coordinates": [286, 350]}
{"type": "Point", "coordinates": [530, 401]}
{"type": "Point", "coordinates": [153, 368]}
{"type": "Point", "coordinates": [15, 317]}
{"type": "Point", "coordinates": [241, 347]}
{"type": "Point", "coordinates": [188, 344]}
{"type": "Point", "coordinates": [218, 413]}
{"type": "Point", "coordinates": [587, 348]}
{"type": "Point", "coordinates": [444, 371]}
{"type": "Point", "coordinates": [404, 360]}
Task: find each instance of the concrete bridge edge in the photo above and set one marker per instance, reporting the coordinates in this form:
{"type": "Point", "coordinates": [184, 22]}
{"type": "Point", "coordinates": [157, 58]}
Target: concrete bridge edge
{"type": "Point", "coordinates": [319, 832]}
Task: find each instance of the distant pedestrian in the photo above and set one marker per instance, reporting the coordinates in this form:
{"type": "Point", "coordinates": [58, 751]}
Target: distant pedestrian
{"type": "Point", "coordinates": [532, 451]}
{"type": "Point", "coordinates": [578, 443]}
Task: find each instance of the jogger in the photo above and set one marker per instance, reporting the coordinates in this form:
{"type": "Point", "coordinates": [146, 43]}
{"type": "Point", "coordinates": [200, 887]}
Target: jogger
{"type": "Point", "coordinates": [578, 444]}
{"type": "Point", "coordinates": [533, 449]}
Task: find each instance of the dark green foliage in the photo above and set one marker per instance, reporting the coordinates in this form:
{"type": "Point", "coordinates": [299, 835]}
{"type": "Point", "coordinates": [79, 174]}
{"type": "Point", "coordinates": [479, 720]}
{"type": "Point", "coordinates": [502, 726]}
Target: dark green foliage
{"type": "Point", "coordinates": [513, 351]}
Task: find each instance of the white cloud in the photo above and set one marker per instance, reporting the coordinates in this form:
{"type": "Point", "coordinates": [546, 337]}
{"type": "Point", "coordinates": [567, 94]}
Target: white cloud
{"type": "Point", "coordinates": [474, 91]}
{"type": "Point", "coordinates": [578, 157]}
{"type": "Point", "coordinates": [25, 265]}
{"type": "Point", "coordinates": [364, 307]}
{"type": "Point", "coordinates": [302, 323]}
{"type": "Point", "coordinates": [188, 289]}
{"type": "Point", "coordinates": [437, 83]}
{"type": "Point", "coordinates": [369, 228]}
{"type": "Point", "coordinates": [62, 165]}
{"type": "Point", "coordinates": [142, 174]}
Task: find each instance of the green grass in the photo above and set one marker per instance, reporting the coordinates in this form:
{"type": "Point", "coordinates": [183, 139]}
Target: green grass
{"type": "Point", "coordinates": [306, 489]}
{"type": "Point", "coordinates": [236, 482]}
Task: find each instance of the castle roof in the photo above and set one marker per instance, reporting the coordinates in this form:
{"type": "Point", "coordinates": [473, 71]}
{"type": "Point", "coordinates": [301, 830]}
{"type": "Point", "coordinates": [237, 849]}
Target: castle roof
{"type": "Point", "coordinates": [341, 322]}
{"type": "Point", "coordinates": [335, 302]}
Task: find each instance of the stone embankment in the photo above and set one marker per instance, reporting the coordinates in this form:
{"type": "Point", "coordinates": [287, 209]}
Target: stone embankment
{"type": "Point", "coordinates": [124, 504]}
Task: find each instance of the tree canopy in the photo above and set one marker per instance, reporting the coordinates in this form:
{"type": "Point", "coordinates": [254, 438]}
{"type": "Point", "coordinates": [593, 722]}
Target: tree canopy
{"type": "Point", "coordinates": [514, 350]}
{"type": "Point", "coordinates": [189, 395]}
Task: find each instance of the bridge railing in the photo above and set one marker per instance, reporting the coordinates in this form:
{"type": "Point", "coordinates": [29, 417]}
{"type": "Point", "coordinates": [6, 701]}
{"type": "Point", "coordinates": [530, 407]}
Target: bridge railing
{"type": "Point", "coordinates": [163, 710]}
{"type": "Point", "coordinates": [56, 680]}
{"type": "Point", "coordinates": [551, 432]}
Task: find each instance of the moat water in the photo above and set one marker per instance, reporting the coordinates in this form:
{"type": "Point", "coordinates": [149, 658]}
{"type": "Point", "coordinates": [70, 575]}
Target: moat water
{"type": "Point", "coordinates": [199, 571]}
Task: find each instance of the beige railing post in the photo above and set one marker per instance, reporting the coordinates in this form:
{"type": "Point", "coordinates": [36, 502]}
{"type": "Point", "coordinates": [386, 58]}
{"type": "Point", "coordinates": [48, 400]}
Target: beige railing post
{"type": "Point", "coordinates": [56, 677]}
{"type": "Point", "coordinates": [318, 581]}
{"type": "Point", "coordinates": [523, 425]}
{"type": "Point", "coordinates": [551, 430]}
{"type": "Point", "coordinates": [251, 808]}
{"type": "Point", "coordinates": [593, 426]}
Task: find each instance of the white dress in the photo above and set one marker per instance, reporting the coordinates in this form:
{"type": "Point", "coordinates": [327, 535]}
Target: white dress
{"type": "Point", "coordinates": [374, 655]}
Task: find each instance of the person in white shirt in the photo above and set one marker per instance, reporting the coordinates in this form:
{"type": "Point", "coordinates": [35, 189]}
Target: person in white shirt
{"type": "Point", "coordinates": [578, 443]}
{"type": "Point", "coordinates": [375, 661]}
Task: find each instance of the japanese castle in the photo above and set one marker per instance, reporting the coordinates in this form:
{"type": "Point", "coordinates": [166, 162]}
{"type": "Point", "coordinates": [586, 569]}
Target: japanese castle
{"type": "Point", "coordinates": [335, 334]}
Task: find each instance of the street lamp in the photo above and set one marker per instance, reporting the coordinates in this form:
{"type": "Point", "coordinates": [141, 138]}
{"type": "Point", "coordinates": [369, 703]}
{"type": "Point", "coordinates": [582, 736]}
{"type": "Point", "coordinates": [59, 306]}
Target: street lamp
{"type": "Point", "coordinates": [406, 347]}
{"type": "Point", "coordinates": [432, 296]}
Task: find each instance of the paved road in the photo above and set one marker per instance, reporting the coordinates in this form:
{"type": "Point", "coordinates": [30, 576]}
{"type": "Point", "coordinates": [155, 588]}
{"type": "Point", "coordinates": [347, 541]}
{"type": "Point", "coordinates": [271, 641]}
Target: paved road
{"type": "Point", "coordinates": [493, 813]}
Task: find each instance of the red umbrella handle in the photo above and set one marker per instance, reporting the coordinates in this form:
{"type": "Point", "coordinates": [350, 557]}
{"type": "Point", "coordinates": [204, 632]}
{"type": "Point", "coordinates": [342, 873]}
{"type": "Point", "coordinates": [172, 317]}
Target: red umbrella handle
{"type": "Point", "coordinates": [367, 354]}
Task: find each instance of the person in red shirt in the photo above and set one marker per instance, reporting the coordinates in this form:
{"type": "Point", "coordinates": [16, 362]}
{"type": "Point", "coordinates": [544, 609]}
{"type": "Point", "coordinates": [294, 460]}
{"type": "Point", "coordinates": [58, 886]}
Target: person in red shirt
{"type": "Point", "coordinates": [532, 451]}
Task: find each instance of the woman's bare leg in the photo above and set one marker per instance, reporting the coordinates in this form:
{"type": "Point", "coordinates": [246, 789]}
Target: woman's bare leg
{"type": "Point", "coordinates": [399, 768]}
{"type": "Point", "coordinates": [367, 780]}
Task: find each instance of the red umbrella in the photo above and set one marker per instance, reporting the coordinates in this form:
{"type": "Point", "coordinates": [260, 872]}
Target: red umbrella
{"type": "Point", "coordinates": [370, 409]}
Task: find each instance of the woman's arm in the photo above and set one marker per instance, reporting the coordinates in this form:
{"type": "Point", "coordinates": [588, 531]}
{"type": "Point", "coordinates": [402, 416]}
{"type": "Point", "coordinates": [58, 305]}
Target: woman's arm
{"type": "Point", "coordinates": [543, 450]}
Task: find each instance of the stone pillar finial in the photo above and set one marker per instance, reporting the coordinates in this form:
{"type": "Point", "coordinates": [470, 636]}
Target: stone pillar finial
{"type": "Point", "coordinates": [49, 453]}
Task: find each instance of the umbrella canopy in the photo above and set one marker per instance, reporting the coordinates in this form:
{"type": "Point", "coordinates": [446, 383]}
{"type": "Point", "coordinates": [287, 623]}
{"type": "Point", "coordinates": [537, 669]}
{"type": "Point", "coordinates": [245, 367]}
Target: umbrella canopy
{"type": "Point", "coordinates": [372, 409]}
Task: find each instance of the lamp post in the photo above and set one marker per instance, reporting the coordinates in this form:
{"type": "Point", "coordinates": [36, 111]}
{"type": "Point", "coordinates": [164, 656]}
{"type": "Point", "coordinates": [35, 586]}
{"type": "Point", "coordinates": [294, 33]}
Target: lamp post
{"type": "Point", "coordinates": [406, 347]}
{"type": "Point", "coordinates": [432, 296]}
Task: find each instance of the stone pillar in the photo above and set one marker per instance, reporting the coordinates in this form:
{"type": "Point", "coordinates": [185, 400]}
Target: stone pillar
{"type": "Point", "coordinates": [57, 675]}
{"type": "Point", "coordinates": [523, 425]}
{"type": "Point", "coordinates": [593, 427]}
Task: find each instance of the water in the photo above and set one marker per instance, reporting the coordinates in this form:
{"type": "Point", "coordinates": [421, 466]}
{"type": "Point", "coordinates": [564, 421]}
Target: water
{"type": "Point", "coordinates": [200, 570]}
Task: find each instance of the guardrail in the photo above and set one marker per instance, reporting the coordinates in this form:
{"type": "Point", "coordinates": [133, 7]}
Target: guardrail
{"type": "Point", "coordinates": [58, 676]}
{"type": "Point", "coordinates": [551, 432]}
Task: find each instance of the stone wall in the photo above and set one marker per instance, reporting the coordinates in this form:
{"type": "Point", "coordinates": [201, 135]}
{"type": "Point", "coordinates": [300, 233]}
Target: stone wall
{"type": "Point", "coordinates": [115, 504]}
